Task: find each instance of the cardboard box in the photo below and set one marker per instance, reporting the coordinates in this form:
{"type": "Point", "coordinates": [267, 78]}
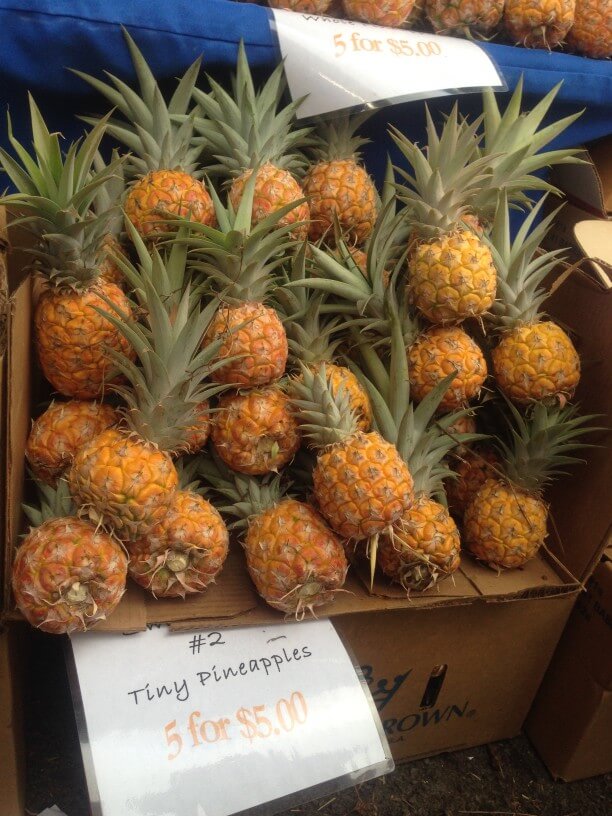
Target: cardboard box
{"type": "Point", "coordinates": [12, 771]}
{"type": "Point", "coordinates": [570, 723]}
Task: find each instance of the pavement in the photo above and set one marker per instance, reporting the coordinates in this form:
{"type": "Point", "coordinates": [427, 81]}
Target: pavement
{"type": "Point", "coordinates": [501, 779]}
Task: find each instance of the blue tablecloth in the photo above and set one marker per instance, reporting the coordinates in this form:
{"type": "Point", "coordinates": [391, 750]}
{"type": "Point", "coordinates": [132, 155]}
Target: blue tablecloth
{"type": "Point", "coordinates": [40, 39]}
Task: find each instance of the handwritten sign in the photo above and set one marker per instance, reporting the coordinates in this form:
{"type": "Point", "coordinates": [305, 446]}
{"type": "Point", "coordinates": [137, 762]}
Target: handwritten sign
{"type": "Point", "coordinates": [213, 723]}
{"type": "Point", "coordinates": [341, 64]}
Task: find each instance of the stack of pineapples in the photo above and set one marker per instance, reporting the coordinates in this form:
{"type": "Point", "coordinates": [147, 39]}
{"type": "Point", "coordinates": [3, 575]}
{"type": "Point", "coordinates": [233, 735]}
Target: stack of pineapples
{"type": "Point", "coordinates": [581, 26]}
{"type": "Point", "coordinates": [280, 349]}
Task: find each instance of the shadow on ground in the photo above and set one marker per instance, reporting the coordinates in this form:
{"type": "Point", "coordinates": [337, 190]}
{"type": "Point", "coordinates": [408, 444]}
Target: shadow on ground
{"type": "Point", "coordinates": [501, 779]}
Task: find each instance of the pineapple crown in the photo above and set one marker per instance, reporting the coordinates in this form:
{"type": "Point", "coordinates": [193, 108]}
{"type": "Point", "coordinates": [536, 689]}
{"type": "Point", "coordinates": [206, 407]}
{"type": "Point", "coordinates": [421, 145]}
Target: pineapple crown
{"type": "Point", "coordinates": [420, 439]}
{"type": "Point", "coordinates": [166, 391]}
{"type": "Point", "coordinates": [52, 502]}
{"type": "Point", "coordinates": [325, 415]}
{"type": "Point", "coordinates": [309, 335]}
{"type": "Point", "coordinates": [54, 200]}
{"type": "Point", "coordinates": [109, 196]}
{"type": "Point", "coordinates": [246, 496]}
{"type": "Point", "coordinates": [521, 266]}
{"type": "Point", "coordinates": [445, 177]}
{"type": "Point", "coordinates": [240, 258]}
{"type": "Point", "coordinates": [337, 139]}
{"type": "Point", "coordinates": [541, 443]}
{"type": "Point", "coordinates": [152, 130]}
{"type": "Point", "coordinates": [247, 128]}
{"type": "Point", "coordinates": [514, 143]}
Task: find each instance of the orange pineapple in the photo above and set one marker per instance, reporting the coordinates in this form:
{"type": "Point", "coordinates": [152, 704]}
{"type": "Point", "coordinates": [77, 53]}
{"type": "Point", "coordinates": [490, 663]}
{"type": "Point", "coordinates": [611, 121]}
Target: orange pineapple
{"type": "Point", "coordinates": [125, 477]}
{"type": "Point", "coordinates": [163, 157]}
{"type": "Point", "coordinates": [534, 358]}
{"type": "Point", "coordinates": [464, 17]}
{"type": "Point", "coordinates": [505, 523]}
{"type": "Point", "coordinates": [184, 552]}
{"type": "Point", "coordinates": [338, 187]}
{"type": "Point", "coordinates": [472, 469]}
{"type": "Point", "coordinates": [360, 483]}
{"type": "Point", "coordinates": [392, 13]}
{"type": "Point", "coordinates": [255, 432]}
{"type": "Point", "coordinates": [591, 34]}
{"type": "Point", "coordinates": [249, 130]}
{"type": "Point", "coordinates": [60, 431]}
{"type": "Point", "coordinates": [295, 561]}
{"type": "Point", "coordinates": [239, 258]}
{"type": "Point", "coordinates": [68, 574]}
{"type": "Point", "coordinates": [55, 193]}
{"type": "Point", "coordinates": [538, 23]}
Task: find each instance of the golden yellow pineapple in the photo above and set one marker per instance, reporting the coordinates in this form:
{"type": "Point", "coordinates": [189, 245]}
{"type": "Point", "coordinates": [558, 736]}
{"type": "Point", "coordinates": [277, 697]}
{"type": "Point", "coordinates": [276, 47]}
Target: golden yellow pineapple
{"type": "Point", "coordinates": [68, 574]}
{"type": "Point", "coordinates": [391, 13]}
{"type": "Point", "coordinates": [534, 358]}
{"type": "Point", "coordinates": [125, 477]}
{"type": "Point", "coordinates": [538, 23]}
{"type": "Point", "coordinates": [249, 130]}
{"type": "Point", "coordinates": [55, 194]}
{"type": "Point", "coordinates": [60, 431]}
{"type": "Point", "coordinates": [240, 258]}
{"type": "Point", "coordinates": [162, 163]}
{"type": "Point", "coordinates": [295, 561]}
{"type": "Point", "coordinates": [591, 34]}
{"type": "Point", "coordinates": [360, 483]}
{"type": "Point", "coordinates": [464, 17]}
{"type": "Point", "coordinates": [439, 351]}
{"type": "Point", "coordinates": [422, 545]}
{"type": "Point", "coordinates": [505, 523]}
{"type": "Point", "coordinates": [451, 271]}
{"type": "Point", "coordinates": [184, 552]}
{"type": "Point", "coordinates": [255, 431]}
{"type": "Point", "coordinates": [339, 189]}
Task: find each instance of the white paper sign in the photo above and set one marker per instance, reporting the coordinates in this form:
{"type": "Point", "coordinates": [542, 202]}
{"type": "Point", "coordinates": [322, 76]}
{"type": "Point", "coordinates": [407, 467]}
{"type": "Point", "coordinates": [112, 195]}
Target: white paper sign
{"type": "Point", "coordinates": [341, 64]}
{"type": "Point", "coordinates": [213, 723]}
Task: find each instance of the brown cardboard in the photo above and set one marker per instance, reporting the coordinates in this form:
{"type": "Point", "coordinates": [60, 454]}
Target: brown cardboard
{"type": "Point", "coordinates": [570, 723]}
{"type": "Point", "coordinates": [11, 751]}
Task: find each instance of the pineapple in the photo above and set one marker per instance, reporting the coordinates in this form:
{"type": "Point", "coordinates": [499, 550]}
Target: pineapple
{"type": "Point", "coordinates": [249, 131]}
{"type": "Point", "coordinates": [60, 431]}
{"type": "Point", "coordinates": [310, 339]}
{"type": "Point", "coordinates": [184, 552]}
{"type": "Point", "coordinates": [239, 258]}
{"type": "Point", "coordinates": [416, 17]}
{"type": "Point", "coordinates": [465, 17]}
{"type": "Point", "coordinates": [471, 471]}
{"type": "Point", "coordinates": [423, 544]}
{"type": "Point", "coordinates": [391, 13]}
{"type": "Point", "coordinates": [68, 574]}
{"type": "Point", "coordinates": [360, 483]}
{"type": "Point", "coordinates": [162, 163]}
{"type": "Point", "coordinates": [505, 523]}
{"type": "Point", "coordinates": [338, 188]}
{"type": "Point", "coordinates": [125, 477]}
{"type": "Point", "coordinates": [54, 199]}
{"type": "Point", "coordinates": [255, 432]}
{"type": "Point", "coordinates": [591, 34]}
{"type": "Point", "coordinates": [451, 271]}
{"type": "Point", "coordinates": [538, 23]}
{"type": "Point", "coordinates": [295, 561]}
{"type": "Point", "coordinates": [534, 358]}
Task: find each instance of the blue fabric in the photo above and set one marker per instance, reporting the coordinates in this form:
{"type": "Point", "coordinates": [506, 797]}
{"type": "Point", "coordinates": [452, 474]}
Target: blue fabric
{"type": "Point", "coordinates": [39, 39]}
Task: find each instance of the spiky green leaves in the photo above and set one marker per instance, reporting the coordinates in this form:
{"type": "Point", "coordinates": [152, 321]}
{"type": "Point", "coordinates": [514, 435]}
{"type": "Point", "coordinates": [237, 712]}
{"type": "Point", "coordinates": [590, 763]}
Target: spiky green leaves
{"type": "Point", "coordinates": [158, 134]}
{"type": "Point", "coordinates": [52, 502]}
{"type": "Point", "coordinates": [246, 128]}
{"type": "Point", "coordinates": [324, 414]}
{"type": "Point", "coordinates": [337, 139]}
{"type": "Point", "coordinates": [542, 443]}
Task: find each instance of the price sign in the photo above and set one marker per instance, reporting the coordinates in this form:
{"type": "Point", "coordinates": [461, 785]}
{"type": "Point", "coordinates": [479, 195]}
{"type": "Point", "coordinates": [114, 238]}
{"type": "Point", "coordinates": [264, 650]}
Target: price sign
{"type": "Point", "coordinates": [215, 723]}
{"type": "Point", "coordinates": [341, 64]}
